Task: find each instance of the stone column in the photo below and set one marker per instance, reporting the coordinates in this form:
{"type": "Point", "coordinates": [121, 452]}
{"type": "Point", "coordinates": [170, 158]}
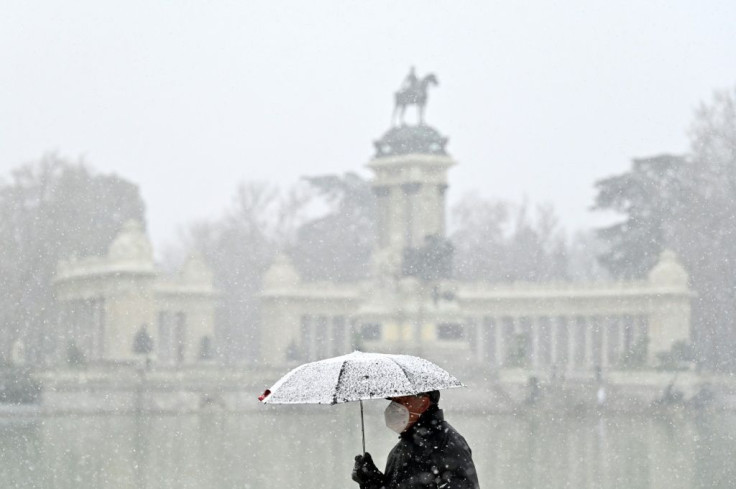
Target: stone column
{"type": "Point", "coordinates": [572, 336]}
{"type": "Point", "coordinates": [500, 342]}
{"type": "Point", "coordinates": [339, 335]}
{"type": "Point", "coordinates": [534, 340]}
{"type": "Point", "coordinates": [383, 214]}
{"type": "Point", "coordinates": [560, 343]}
{"type": "Point", "coordinates": [597, 331]}
{"type": "Point", "coordinates": [490, 341]}
{"type": "Point", "coordinates": [440, 207]}
{"type": "Point", "coordinates": [475, 336]}
{"type": "Point", "coordinates": [553, 342]}
{"type": "Point", "coordinates": [605, 331]}
{"type": "Point", "coordinates": [642, 331]}
{"type": "Point", "coordinates": [621, 340]}
{"type": "Point", "coordinates": [614, 340]}
{"type": "Point", "coordinates": [588, 345]}
{"type": "Point", "coordinates": [412, 215]}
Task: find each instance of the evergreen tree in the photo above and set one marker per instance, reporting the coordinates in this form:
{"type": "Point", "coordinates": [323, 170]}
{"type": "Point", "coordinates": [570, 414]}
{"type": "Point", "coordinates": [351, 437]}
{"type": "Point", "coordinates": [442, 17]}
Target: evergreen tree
{"type": "Point", "coordinates": [688, 204]}
{"type": "Point", "coordinates": [337, 245]}
{"type": "Point", "coordinates": [649, 197]}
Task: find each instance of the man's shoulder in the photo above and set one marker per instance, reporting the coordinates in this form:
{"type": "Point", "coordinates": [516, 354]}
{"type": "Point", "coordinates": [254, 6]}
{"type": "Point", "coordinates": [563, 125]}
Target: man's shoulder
{"type": "Point", "coordinates": [451, 435]}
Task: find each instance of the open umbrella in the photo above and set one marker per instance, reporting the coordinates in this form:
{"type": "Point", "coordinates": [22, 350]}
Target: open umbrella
{"type": "Point", "coordinates": [358, 376]}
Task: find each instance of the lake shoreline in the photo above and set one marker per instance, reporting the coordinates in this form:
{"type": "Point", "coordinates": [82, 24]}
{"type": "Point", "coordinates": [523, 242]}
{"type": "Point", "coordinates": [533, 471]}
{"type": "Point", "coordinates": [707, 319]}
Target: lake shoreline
{"type": "Point", "coordinates": [509, 391]}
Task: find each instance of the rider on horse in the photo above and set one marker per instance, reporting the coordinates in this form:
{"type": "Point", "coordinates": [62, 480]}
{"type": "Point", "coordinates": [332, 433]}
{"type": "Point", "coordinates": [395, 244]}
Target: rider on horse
{"type": "Point", "coordinates": [410, 82]}
{"type": "Point", "coordinates": [413, 91]}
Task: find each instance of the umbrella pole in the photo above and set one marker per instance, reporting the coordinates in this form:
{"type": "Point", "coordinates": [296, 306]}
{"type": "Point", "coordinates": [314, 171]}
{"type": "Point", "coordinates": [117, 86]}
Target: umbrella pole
{"type": "Point", "coordinates": [362, 425]}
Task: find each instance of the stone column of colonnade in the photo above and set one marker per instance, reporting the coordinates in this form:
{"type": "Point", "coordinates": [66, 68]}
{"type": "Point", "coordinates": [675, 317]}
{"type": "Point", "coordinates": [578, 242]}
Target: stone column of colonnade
{"type": "Point", "coordinates": [534, 342]}
{"type": "Point", "coordinates": [553, 340]}
{"type": "Point", "coordinates": [588, 344]}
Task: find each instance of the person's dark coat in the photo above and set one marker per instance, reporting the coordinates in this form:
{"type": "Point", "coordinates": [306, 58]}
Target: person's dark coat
{"type": "Point", "coordinates": [430, 454]}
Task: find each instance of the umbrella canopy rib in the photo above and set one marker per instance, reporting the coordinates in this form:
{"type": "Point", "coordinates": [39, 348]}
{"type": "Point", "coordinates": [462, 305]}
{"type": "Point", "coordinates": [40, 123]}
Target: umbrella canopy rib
{"type": "Point", "coordinates": [337, 384]}
{"type": "Point", "coordinates": [403, 372]}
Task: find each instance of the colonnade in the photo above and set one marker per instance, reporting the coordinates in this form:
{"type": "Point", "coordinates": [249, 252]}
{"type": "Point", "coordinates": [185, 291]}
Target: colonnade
{"type": "Point", "coordinates": [563, 342]}
{"type": "Point", "coordinates": [566, 343]}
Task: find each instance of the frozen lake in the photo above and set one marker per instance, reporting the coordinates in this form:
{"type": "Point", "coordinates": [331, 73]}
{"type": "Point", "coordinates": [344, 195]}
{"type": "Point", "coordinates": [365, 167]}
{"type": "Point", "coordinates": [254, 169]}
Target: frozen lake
{"type": "Point", "coordinates": [313, 447]}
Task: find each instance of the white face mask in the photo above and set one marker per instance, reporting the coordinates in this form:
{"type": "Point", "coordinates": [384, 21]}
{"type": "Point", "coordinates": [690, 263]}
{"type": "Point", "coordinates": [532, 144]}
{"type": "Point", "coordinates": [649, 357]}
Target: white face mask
{"type": "Point", "coordinates": [396, 416]}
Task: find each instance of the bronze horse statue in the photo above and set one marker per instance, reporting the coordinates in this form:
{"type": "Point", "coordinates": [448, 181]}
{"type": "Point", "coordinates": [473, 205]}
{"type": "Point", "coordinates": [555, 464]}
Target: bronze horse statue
{"type": "Point", "coordinates": [415, 94]}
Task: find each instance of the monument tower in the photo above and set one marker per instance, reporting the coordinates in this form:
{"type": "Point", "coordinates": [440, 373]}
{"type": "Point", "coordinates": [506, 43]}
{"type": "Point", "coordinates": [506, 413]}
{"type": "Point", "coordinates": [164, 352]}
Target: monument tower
{"type": "Point", "coordinates": [410, 177]}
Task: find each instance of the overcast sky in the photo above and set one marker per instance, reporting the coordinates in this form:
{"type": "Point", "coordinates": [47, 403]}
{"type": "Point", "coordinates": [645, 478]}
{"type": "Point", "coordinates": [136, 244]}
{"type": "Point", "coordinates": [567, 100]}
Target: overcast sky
{"type": "Point", "coordinates": [187, 98]}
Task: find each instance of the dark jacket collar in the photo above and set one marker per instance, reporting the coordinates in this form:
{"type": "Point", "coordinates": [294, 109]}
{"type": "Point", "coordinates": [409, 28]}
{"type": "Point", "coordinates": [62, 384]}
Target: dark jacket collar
{"type": "Point", "coordinates": [429, 421]}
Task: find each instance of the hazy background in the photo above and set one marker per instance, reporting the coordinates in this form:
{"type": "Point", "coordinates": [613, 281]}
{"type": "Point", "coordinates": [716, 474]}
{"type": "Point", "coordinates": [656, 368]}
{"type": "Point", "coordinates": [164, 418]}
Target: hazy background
{"type": "Point", "coordinates": [186, 98]}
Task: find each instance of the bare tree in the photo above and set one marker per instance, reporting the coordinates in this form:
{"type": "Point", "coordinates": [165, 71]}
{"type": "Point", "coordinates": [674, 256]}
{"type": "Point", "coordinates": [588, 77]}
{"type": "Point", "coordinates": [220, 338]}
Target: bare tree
{"type": "Point", "coordinates": [49, 210]}
{"type": "Point", "coordinates": [497, 241]}
{"type": "Point", "coordinates": [239, 247]}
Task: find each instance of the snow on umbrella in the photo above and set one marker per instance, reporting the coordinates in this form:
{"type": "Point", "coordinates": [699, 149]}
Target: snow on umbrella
{"type": "Point", "coordinates": [358, 376]}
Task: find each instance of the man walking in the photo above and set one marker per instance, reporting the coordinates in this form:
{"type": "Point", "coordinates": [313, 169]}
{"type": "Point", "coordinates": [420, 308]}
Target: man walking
{"type": "Point", "coordinates": [429, 454]}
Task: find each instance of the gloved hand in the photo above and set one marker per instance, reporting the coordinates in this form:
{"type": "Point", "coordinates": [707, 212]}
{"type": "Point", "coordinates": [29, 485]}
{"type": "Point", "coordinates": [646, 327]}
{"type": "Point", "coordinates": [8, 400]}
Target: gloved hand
{"type": "Point", "coordinates": [365, 472]}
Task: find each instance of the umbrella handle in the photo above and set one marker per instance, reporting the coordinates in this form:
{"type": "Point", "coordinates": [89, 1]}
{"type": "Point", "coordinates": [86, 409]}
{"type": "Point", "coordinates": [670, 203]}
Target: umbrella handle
{"type": "Point", "coordinates": [362, 425]}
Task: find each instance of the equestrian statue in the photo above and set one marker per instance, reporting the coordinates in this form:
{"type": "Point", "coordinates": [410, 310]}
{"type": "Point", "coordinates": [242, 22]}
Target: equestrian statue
{"type": "Point", "coordinates": [412, 92]}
